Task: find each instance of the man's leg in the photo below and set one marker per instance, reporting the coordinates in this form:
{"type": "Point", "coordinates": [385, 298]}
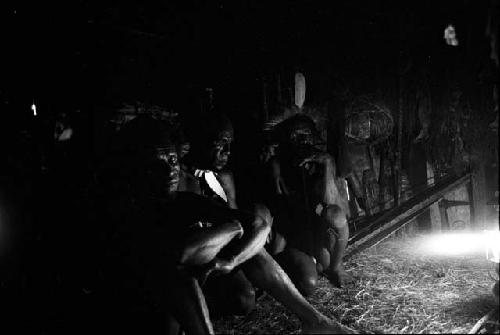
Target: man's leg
{"type": "Point", "coordinates": [264, 272]}
{"type": "Point", "coordinates": [293, 247]}
{"type": "Point", "coordinates": [335, 221]}
{"type": "Point", "coordinates": [173, 327]}
{"type": "Point", "coordinates": [186, 302]}
{"type": "Point", "coordinates": [230, 294]}
{"type": "Point", "coordinates": [301, 269]}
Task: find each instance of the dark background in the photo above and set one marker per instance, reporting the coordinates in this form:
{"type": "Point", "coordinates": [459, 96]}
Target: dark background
{"type": "Point", "coordinates": [85, 53]}
{"type": "Point", "coordinates": [93, 56]}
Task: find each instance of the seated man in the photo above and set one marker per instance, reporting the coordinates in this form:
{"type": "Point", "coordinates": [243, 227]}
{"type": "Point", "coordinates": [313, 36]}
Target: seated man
{"type": "Point", "coordinates": [311, 230]}
{"type": "Point", "coordinates": [208, 158]}
{"type": "Point", "coordinates": [205, 173]}
{"type": "Point", "coordinates": [175, 238]}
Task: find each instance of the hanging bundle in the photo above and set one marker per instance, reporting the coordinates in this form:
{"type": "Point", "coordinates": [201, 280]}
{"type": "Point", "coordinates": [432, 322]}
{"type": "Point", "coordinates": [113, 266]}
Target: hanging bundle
{"type": "Point", "coordinates": [127, 112]}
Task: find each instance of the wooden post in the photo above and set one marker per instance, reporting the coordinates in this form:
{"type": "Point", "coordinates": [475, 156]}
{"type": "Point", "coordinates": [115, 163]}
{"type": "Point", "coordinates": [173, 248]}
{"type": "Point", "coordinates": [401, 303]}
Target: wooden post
{"type": "Point", "coordinates": [471, 203]}
{"type": "Point", "coordinates": [279, 97]}
{"type": "Point", "coordinates": [445, 224]}
{"type": "Point", "coordinates": [399, 148]}
{"type": "Point", "coordinates": [479, 198]}
{"type": "Point", "coordinates": [382, 180]}
{"type": "Point", "coordinates": [264, 99]}
{"type": "Point", "coordinates": [399, 138]}
{"type": "Point", "coordinates": [435, 212]}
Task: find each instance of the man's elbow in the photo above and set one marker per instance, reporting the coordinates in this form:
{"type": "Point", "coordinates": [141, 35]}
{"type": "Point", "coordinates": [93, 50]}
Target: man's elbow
{"type": "Point", "coordinates": [186, 255]}
{"type": "Point", "coordinates": [261, 224]}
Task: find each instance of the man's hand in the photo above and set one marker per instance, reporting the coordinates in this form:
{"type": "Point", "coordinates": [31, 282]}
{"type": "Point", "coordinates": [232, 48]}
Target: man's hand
{"type": "Point", "coordinates": [320, 158]}
{"type": "Point", "coordinates": [235, 226]}
{"type": "Point", "coordinates": [223, 266]}
{"type": "Point", "coordinates": [217, 267]}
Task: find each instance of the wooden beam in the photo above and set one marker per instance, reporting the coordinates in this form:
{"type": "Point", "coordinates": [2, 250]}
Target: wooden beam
{"type": "Point", "coordinates": [398, 217]}
{"type": "Point", "coordinates": [452, 203]}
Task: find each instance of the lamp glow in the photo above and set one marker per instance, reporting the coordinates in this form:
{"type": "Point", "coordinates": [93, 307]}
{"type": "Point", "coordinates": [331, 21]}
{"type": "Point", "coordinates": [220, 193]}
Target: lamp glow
{"type": "Point", "coordinates": [463, 243]}
{"type": "Point", "coordinates": [492, 243]}
{"type": "Point", "coordinates": [453, 244]}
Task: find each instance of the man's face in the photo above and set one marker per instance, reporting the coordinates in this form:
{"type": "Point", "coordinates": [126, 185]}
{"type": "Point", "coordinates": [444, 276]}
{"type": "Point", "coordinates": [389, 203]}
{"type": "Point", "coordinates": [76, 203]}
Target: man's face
{"type": "Point", "coordinates": [301, 135]}
{"type": "Point", "coordinates": [166, 169]}
{"type": "Point", "coordinates": [183, 149]}
{"type": "Point", "coordinates": [301, 139]}
{"type": "Point", "coordinates": [220, 149]}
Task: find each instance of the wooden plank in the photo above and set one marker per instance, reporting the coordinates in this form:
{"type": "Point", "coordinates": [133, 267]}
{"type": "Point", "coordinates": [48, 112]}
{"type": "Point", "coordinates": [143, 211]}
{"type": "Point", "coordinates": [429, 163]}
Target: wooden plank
{"type": "Point", "coordinates": [265, 107]}
{"type": "Point", "coordinates": [471, 203]}
{"type": "Point", "coordinates": [434, 210]}
{"type": "Point", "coordinates": [453, 203]}
{"type": "Point", "coordinates": [445, 223]}
{"type": "Point", "coordinates": [398, 217]}
{"type": "Point", "coordinates": [479, 199]}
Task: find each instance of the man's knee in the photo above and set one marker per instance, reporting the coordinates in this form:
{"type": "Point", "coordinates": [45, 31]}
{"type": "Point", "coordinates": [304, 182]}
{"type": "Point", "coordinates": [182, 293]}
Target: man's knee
{"type": "Point", "coordinates": [263, 212]}
{"type": "Point", "coordinates": [336, 218]}
{"type": "Point", "coordinates": [241, 290]}
{"type": "Point", "coordinates": [307, 284]}
{"type": "Point", "coordinates": [245, 301]}
{"type": "Point", "coordinates": [302, 270]}
{"type": "Point", "coordinates": [322, 259]}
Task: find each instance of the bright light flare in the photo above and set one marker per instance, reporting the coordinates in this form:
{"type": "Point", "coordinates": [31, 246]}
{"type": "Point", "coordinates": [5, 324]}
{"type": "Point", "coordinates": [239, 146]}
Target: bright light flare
{"type": "Point", "coordinates": [463, 243]}
{"type": "Point", "coordinates": [492, 243]}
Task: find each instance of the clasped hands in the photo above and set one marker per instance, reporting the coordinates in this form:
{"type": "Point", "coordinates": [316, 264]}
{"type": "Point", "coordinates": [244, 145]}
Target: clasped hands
{"type": "Point", "coordinates": [220, 266]}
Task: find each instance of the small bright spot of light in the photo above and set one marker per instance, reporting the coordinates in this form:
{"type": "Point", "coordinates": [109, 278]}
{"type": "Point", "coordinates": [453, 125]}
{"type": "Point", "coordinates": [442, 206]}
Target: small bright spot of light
{"type": "Point", "coordinates": [450, 36]}
{"type": "Point", "coordinates": [33, 108]}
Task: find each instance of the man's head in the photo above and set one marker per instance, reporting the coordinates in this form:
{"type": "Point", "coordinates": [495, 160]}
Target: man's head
{"type": "Point", "coordinates": [299, 131]}
{"type": "Point", "coordinates": [182, 142]}
{"type": "Point", "coordinates": [62, 128]}
{"type": "Point", "coordinates": [215, 142]}
{"type": "Point", "coordinates": [297, 136]}
{"type": "Point", "coordinates": [148, 141]}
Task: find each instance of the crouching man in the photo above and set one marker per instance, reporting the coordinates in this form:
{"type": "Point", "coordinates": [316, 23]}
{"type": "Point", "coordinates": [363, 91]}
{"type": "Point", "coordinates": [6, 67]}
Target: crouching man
{"type": "Point", "coordinates": [310, 213]}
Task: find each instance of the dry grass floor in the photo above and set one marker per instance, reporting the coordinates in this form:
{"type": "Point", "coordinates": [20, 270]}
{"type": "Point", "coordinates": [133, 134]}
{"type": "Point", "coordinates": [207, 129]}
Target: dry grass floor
{"type": "Point", "coordinates": [399, 291]}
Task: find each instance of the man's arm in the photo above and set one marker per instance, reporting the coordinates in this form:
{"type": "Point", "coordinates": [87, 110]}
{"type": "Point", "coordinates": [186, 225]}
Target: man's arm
{"type": "Point", "coordinates": [278, 183]}
{"type": "Point", "coordinates": [226, 180]}
{"type": "Point", "coordinates": [252, 242]}
{"type": "Point", "coordinates": [328, 192]}
{"type": "Point", "coordinates": [204, 244]}
{"type": "Point", "coordinates": [255, 231]}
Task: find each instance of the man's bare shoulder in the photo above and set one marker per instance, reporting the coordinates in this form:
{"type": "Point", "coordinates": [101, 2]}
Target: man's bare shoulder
{"type": "Point", "coordinates": [188, 182]}
{"type": "Point", "coordinates": [275, 166]}
{"type": "Point", "coordinates": [274, 160]}
{"type": "Point", "coordinates": [226, 177]}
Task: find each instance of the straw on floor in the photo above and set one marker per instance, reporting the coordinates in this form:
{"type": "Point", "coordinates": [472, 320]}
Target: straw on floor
{"type": "Point", "coordinates": [398, 290]}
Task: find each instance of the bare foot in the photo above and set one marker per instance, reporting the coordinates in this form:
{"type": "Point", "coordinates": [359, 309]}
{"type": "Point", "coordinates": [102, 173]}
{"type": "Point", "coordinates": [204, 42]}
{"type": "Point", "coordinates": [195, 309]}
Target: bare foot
{"type": "Point", "coordinates": [339, 277]}
{"type": "Point", "coordinates": [327, 326]}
